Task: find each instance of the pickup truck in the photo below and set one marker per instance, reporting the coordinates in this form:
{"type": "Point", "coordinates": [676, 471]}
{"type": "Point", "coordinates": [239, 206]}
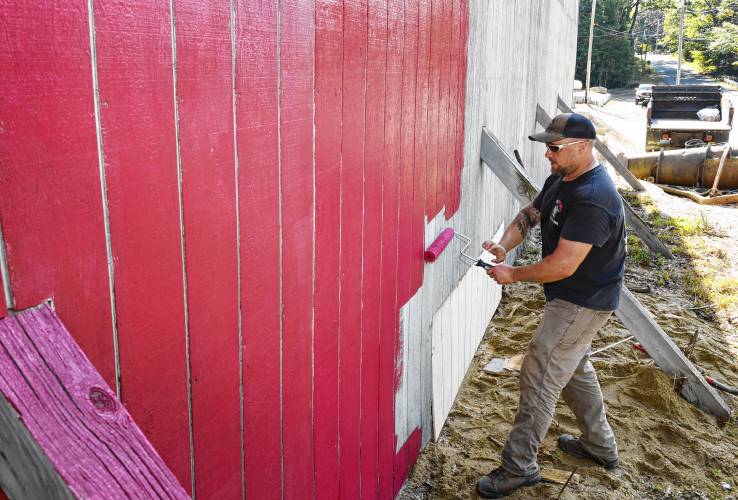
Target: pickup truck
{"type": "Point", "coordinates": [672, 120]}
{"type": "Point", "coordinates": [643, 93]}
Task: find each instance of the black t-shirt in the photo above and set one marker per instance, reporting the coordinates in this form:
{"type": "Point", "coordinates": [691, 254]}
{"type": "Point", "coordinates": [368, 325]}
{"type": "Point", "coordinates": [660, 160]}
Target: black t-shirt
{"type": "Point", "coordinates": [587, 209]}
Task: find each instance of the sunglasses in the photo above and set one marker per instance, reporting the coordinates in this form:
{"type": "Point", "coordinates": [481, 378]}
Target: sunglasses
{"type": "Point", "coordinates": [555, 148]}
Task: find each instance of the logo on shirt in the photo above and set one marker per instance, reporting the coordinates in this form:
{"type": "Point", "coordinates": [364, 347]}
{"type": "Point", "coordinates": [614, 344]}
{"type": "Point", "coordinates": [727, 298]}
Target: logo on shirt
{"type": "Point", "coordinates": [557, 209]}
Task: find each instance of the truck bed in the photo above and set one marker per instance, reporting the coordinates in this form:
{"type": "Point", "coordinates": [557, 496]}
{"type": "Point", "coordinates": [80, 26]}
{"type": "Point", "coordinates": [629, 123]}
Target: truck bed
{"type": "Point", "coordinates": [683, 125]}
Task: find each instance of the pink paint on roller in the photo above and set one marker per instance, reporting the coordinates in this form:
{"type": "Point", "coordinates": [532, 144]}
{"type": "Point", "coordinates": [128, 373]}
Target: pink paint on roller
{"type": "Point", "coordinates": [438, 245]}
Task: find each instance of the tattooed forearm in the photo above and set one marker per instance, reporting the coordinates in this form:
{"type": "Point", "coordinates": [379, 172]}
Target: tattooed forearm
{"type": "Point", "coordinates": [532, 214]}
{"type": "Point", "coordinates": [527, 218]}
{"type": "Point", "coordinates": [523, 224]}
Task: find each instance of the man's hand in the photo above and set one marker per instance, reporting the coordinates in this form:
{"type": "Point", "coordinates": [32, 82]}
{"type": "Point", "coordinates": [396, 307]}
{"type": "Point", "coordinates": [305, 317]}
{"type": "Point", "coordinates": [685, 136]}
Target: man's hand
{"type": "Point", "coordinates": [502, 274]}
{"type": "Point", "coordinates": [497, 250]}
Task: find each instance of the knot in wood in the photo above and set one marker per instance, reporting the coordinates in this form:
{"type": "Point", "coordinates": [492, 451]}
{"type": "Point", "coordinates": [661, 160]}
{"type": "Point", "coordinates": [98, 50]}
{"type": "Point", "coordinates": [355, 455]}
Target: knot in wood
{"type": "Point", "coordinates": [101, 400]}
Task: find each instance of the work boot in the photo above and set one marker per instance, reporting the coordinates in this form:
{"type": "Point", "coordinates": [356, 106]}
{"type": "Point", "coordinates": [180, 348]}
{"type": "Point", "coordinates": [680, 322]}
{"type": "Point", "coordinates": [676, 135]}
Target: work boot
{"type": "Point", "coordinates": [573, 446]}
{"type": "Point", "coordinates": [500, 483]}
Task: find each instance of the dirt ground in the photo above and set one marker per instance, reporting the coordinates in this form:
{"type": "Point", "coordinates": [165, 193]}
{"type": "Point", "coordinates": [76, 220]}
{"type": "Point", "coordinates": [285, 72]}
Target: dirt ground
{"type": "Point", "coordinates": [669, 449]}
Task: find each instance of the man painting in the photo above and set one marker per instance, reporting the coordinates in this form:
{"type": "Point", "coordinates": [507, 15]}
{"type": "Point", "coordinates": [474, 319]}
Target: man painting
{"type": "Point", "coordinates": [583, 256]}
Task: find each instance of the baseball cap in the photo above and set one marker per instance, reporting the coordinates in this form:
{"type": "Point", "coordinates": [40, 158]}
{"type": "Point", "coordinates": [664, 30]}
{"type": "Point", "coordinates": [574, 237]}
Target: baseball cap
{"type": "Point", "coordinates": [566, 125]}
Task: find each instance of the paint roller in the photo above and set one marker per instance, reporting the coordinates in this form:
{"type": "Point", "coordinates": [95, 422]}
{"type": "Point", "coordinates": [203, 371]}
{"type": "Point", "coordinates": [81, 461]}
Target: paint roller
{"type": "Point", "coordinates": [441, 242]}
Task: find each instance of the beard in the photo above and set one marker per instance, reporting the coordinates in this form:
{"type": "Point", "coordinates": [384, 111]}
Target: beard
{"type": "Point", "coordinates": [558, 169]}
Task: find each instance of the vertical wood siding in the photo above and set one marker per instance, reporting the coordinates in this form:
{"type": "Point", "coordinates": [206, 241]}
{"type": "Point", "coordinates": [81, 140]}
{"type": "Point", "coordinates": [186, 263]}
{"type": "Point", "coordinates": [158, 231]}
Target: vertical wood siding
{"type": "Point", "coordinates": [328, 161]}
{"type": "Point", "coordinates": [257, 143]}
{"type": "Point", "coordinates": [296, 40]}
{"type": "Point", "coordinates": [204, 101]}
{"type": "Point", "coordinates": [140, 150]}
{"type": "Point", "coordinates": [228, 204]}
{"type": "Point", "coordinates": [420, 172]}
{"type": "Point", "coordinates": [352, 220]}
{"type": "Point", "coordinates": [388, 263]}
{"type": "Point", "coordinates": [3, 305]}
{"type": "Point", "coordinates": [51, 208]}
{"type": "Point", "coordinates": [372, 244]}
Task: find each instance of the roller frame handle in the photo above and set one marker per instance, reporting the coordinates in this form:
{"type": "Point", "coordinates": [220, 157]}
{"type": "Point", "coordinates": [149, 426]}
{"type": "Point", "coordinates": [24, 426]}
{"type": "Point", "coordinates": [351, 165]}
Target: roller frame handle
{"type": "Point", "coordinates": [484, 265]}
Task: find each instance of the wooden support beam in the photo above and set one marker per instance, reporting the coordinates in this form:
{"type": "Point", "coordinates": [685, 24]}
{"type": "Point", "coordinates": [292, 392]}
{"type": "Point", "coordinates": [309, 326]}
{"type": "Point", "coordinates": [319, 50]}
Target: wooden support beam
{"type": "Point", "coordinates": [668, 356]}
{"type": "Point", "coordinates": [63, 433]}
{"type": "Point", "coordinates": [631, 218]}
{"type": "Point", "coordinates": [515, 179]}
{"type": "Point", "coordinates": [644, 233]}
{"type": "Point", "coordinates": [633, 315]}
{"type": "Point", "coordinates": [605, 151]}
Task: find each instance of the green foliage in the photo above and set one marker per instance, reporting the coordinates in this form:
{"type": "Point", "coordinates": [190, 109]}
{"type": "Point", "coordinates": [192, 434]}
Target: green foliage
{"type": "Point", "coordinates": [710, 34]}
{"type": "Point", "coordinates": [721, 54]}
{"type": "Point", "coordinates": [637, 252]}
{"type": "Point", "coordinates": [664, 277]}
{"type": "Point", "coordinates": [612, 52]}
{"type": "Point", "coordinates": [704, 280]}
{"type": "Point", "coordinates": [621, 28]}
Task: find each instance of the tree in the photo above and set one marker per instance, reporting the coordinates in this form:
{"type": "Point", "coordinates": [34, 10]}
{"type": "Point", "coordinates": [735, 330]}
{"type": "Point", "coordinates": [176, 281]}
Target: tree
{"type": "Point", "coordinates": [621, 27]}
{"type": "Point", "coordinates": [648, 30]}
{"type": "Point", "coordinates": [710, 35]}
{"type": "Point", "coordinates": [625, 26]}
{"type": "Point", "coordinates": [612, 49]}
{"type": "Point", "coordinates": [721, 54]}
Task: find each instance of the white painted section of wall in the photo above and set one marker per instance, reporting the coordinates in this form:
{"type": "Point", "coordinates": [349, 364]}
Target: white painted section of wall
{"type": "Point", "coordinates": [415, 320]}
{"type": "Point", "coordinates": [458, 328]}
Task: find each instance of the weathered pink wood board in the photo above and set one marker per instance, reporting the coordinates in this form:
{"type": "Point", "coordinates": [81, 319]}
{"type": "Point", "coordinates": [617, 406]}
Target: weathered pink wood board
{"type": "Point", "coordinates": [72, 414]}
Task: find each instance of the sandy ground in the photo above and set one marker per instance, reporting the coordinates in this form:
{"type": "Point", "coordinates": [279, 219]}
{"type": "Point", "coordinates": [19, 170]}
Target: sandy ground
{"type": "Point", "coordinates": [668, 447]}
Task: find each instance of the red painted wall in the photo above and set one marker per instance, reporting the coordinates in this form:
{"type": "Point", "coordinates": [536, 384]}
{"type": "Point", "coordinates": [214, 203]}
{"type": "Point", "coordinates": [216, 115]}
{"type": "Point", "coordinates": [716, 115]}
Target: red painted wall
{"type": "Point", "coordinates": [257, 178]}
{"type": "Point", "coordinates": [3, 305]}
{"type": "Point", "coordinates": [139, 140]}
{"type": "Point", "coordinates": [328, 161]}
{"type": "Point", "coordinates": [258, 146]}
{"type": "Point", "coordinates": [50, 203]}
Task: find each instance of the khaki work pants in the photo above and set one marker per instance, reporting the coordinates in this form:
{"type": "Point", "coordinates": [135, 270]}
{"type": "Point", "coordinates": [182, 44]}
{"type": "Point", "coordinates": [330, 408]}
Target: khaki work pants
{"type": "Point", "coordinates": [557, 360]}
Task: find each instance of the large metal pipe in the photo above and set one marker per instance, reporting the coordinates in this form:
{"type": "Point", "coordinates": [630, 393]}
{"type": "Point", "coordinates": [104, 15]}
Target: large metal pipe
{"type": "Point", "coordinates": [696, 167]}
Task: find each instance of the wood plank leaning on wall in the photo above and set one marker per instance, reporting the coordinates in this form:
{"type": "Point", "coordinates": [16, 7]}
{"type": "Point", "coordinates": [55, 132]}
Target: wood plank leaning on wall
{"type": "Point", "coordinates": [65, 435]}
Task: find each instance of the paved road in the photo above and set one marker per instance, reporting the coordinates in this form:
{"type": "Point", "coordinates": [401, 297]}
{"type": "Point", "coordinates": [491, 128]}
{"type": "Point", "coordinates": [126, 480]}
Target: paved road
{"type": "Point", "coordinates": [666, 67]}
